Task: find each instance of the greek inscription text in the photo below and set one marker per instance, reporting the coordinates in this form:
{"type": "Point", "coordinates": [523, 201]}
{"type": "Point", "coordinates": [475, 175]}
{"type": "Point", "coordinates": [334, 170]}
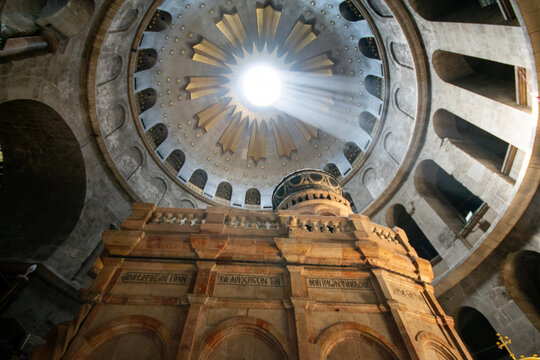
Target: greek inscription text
{"type": "Point", "coordinates": [155, 278]}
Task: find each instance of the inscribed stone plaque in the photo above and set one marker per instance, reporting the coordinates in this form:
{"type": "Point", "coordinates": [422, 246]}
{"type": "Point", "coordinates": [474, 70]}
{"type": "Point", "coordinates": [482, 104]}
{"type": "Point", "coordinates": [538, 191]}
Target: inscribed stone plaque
{"type": "Point", "coordinates": [155, 278]}
{"type": "Point", "coordinates": [253, 286]}
{"type": "Point", "coordinates": [341, 290]}
{"type": "Point", "coordinates": [152, 283]}
{"type": "Point", "coordinates": [412, 298]}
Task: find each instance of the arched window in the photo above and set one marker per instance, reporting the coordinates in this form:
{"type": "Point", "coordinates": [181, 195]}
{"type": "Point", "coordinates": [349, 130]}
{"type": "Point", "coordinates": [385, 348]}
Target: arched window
{"type": "Point", "coordinates": [351, 152]}
{"type": "Point", "coordinates": [145, 99]}
{"type": "Point", "coordinates": [160, 21]}
{"type": "Point", "coordinates": [483, 146]}
{"type": "Point", "coordinates": [368, 47]}
{"type": "Point", "coordinates": [398, 216]}
{"type": "Point", "coordinates": [374, 85]}
{"type": "Point", "coordinates": [367, 122]}
{"type": "Point", "coordinates": [478, 334]}
{"type": "Point", "coordinates": [491, 79]}
{"type": "Point", "coordinates": [224, 191]}
{"type": "Point", "coordinates": [349, 11]}
{"type": "Point", "coordinates": [198, 179]}
{"type": "Point", "coordinates": [146, 59]}
{"type": "Point", "coordinates": [156, 135]}
{"type": "Point", "coordinates": [471, 11]}
{"type": "Point", "coordinates": [253, 197]}
{"type": "Point", "coordinates": [348, 197]}
{"type": "Point", "coordinates": [175, 161]}
{"type": "Point", "coordinates": [332, 170]}
{"type": "Point", "coordinates": [521, 278]}
{"type": "Point", "coordinates": [452, 201]}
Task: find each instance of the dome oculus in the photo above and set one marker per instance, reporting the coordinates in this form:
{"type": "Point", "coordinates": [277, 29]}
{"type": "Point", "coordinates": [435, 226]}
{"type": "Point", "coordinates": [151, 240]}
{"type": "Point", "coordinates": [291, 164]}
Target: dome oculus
{"type": "Point", "coordinates": [261, 85]}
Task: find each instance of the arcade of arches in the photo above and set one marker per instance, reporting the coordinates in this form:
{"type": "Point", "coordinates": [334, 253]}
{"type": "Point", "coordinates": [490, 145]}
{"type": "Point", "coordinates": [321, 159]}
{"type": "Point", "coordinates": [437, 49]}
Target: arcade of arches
{"type": "Point", "coordinates": [426, 114]}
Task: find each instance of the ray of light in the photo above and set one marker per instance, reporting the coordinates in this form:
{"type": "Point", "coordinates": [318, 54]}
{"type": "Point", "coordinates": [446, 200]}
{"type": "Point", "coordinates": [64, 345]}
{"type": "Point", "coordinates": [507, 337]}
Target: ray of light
{"type": "Point", "coordinates": [309, 105]}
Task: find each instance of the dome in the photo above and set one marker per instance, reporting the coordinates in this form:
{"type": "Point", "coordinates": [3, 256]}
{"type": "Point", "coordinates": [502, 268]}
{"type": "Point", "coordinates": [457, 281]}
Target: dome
{"type": "Point", "coordinates": [187, 92]}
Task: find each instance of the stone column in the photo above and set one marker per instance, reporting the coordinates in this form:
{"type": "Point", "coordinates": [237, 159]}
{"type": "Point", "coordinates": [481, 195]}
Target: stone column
{"type": "Point", "coordinates": [197, 300]}
{"type": "Point", "coordinates": [300, 302]}
{"type": "Point", "coordinates": [396, 310]}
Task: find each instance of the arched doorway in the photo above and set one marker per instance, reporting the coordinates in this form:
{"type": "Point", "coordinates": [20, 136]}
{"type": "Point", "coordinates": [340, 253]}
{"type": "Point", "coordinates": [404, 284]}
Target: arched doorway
{"type": "Point", "coordinates": [479, 335]}
{"type": "Point", "coordinates": [43, 184]}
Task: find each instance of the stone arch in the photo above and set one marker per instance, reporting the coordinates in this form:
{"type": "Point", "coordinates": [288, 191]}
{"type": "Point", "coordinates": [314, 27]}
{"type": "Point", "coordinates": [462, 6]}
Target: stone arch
{"type": "Point", "coordinates": [68, 17]}
{"type": "Point", "coordinates": [403, 99]}
{"type": "Point", "coordinates": [111, 71]}
{"type": "Point", "coordinates": [433, 347]}
{"type": "Point", "coordinates": [487, 78]}
{"type": "Point", "coordinates": [367, 122]}
{"type": "Point", "coordinates": [349, 198]}
{"type": "Point", "coordinates": [484, 147]}
{"type": "Point", "coordinates": [387, 145]}
{"type": "Point", "coordinates": [521, 278]}
{"type": "Point", "coordinates": [253, 197]}
{"type": "Point", "coordinates": [397, 215]}
{"type": "Point", "coordinates": [44, 175]}
{"type": "Point", "coordinates": [160, 186]}
{"type": "Point", "coordinates": [465, 11]}
{"type": "Point", "coordinates": [368, 48]}
{"type": "Point", "coordinates": [175, 161]}
{"type": "Point", "coordinates": [401, 54]}
{"type": "Point", "coordinates": [82, 348]}
{"type": "Point", "coordinates": [347, 331]}
{"type": "Point", "coordinates": [478, 334]}
{"type": "Point", "coordinates": [380, 8]}
{"type": "Point", "coordinates": [198, 180]}
{"type": "Point", "coordinates": [352, 152]}
{"type": "Point", "coordinates": [130, 161]}
{"type": "Point", "coordinates": [159, 21]}
{"type": "Point", "coordinates": [445, 195]}
{"type": "Point", "coordinates": [187, 204]}
{"type": "Point", "coordinates": [125, 21]}
{"type": "Point", "coordinates": [113, 120]}
{"type": "Point", "coordinates": [374, 86]}
{"type": "Point", "coordinates": [145, 99]}
{"type": "Point", "coordinates": [224, 191]}
{"type": "Point", "coordinates": [246, 326]}
{"type": "Point", "coordinates": [157, 135]}
{"type": "Point", "coordinates": [146, 59]}
{"type": "Point", "coordinates": [349, 11]}
{"type": "Point", "coordinates": [333, 170]}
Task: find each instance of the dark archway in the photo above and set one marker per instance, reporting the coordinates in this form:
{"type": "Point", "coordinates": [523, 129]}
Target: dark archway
{"type": "Point", "coordinates": [521, 278]}
{"type": "Point", "coordinates": [368, 47]}
{"type": "Point", "coordinates": [452, 201]}
{"type": "Point", "coordinates": [175, 161]}
{"type": "Point", "coordinates": [398, 216]}
{"type": "Point", "coordinates": [478, 143]}
{"type": "Point", "coordinates": [44, 181]}
{"type": "Point", "coordinates": [146, 59]}
{"type": "Point", "coordinates": [479, 335]}
{"type": "Point", "coordinates": [199, 179]}
{"type": "Point", "coordinates": [349, 11]}
{"type": "Point", "coordinates": [351, 152]}
{"type": "Point", "coordinates": [159, 21]}
{"type": "Point", "coordinates": [224, 191]}
{"type": "Point", "coordinates": [487, 78]}
{"type": "Point", "coordinates": [253, 197]}
{"type": "Point", "coordinates": [466, 11]}
{"type": "Point", "coordinates": [157, 135]}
